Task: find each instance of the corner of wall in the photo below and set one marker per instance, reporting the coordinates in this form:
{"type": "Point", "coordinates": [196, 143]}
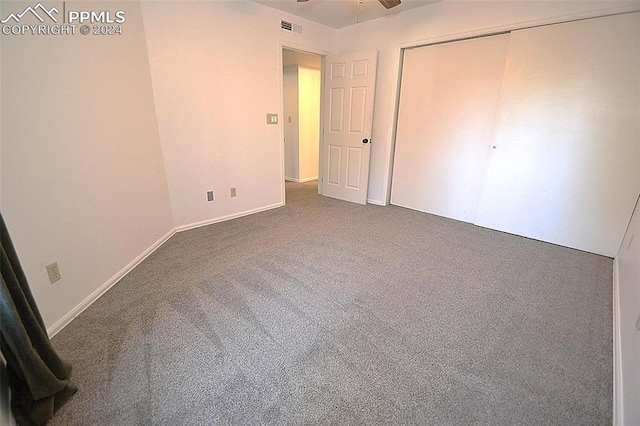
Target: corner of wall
{"type": "Point", "coordinates": [155, 109]}
{"type": "Point", "coordinates": [65, 320]}
{"type": "Point", "coordinates": [617, 359]}
{"type": "Point", "coordinates": [626, 289]}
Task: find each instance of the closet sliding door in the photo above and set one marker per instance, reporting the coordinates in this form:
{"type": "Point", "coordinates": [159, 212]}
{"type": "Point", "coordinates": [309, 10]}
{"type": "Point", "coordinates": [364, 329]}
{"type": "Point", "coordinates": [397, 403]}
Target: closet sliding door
{"type": "Point", "coordinates": [448, 102]}
{"type": "Point", "coordinates": [566, 168]}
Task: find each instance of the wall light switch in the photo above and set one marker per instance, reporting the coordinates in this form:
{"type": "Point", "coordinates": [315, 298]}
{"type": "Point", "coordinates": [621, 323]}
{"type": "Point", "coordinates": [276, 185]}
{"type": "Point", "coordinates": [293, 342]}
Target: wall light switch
{"type": "Point", "coordinates": [272, 118]}
{"type": "Point", "coordinates": [210, 196]}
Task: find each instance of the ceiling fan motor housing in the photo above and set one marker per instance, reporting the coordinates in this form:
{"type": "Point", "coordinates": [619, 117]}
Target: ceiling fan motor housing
{"type": "Point", "coordinates": [388, 4]}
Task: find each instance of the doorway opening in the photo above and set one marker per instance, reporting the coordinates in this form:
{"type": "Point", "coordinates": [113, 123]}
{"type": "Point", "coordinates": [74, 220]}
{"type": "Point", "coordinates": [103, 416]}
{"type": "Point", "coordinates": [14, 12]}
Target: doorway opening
{"type": "Point", "coordinates": [302, 91]}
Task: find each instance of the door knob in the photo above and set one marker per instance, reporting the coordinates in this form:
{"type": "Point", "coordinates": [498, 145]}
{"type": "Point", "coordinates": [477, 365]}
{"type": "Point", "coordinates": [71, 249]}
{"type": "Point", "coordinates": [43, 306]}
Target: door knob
{"type": "Point", "coordinates": [365, 140]}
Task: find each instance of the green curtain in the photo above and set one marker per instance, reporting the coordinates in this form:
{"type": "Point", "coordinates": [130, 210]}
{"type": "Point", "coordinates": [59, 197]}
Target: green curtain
{"type": "Point", "coordinates": [38, 378]}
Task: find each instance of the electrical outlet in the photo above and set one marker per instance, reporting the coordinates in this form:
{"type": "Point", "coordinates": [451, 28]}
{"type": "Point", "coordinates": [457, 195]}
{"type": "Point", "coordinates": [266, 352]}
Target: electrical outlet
{"type": "Point", "coordinates": [210, 196]}
{"type": "Point", "coordinates": [233, 191]}
{"type": "Point", "coordinates": [54, 272]}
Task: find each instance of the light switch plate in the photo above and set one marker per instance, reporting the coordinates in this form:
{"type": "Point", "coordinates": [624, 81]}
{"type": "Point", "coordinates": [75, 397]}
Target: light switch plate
{"type": "Point", "coordinates": [272, 118]}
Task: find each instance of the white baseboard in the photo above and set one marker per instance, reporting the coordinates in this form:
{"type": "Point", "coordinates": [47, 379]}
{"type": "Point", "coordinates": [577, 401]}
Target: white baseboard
{"type": "Point", "coordinates": [309, 179]}
{"type": "Point", "coordinates": [376, 202]}
{"type": "Point", "coordinates": [66, 319]}
{"type": "Point", "coordinates": [618, 419]}
{"type": "Point", "coordinates": [62, 322]}
{"type": "Point", "coordinates": [227, 217]}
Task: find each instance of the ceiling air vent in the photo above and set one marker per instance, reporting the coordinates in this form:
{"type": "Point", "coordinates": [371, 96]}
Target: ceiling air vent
{"type": "Point", "coordinates": [288, 26]}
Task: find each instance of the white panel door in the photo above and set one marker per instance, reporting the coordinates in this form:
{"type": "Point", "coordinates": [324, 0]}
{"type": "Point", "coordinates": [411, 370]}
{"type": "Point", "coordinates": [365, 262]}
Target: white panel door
{"type": "Point", "coordinates": [348, 118]}
{"type": "Point", "coordinates": [566, 168]}
{"type": "Point", "coordinates": [448, 103]}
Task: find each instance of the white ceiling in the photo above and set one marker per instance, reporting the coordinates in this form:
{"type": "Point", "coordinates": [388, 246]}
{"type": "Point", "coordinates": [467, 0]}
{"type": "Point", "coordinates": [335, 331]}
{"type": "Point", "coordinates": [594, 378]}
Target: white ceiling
{"type": "Point", "coordinates": [341, 13]}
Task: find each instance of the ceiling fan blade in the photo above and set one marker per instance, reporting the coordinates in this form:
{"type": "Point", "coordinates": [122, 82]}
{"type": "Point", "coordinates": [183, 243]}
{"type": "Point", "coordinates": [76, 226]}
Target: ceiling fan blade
{"type": "Point", "coordinates": [388, 4]}
{"type": "Point", "coordinates": [302, 1]}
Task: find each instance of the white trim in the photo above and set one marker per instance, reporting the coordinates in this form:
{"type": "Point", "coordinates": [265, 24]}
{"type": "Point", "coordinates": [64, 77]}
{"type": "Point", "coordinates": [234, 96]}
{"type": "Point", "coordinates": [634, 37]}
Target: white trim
{"type": "Point", "coordinates": [376, 202]}
{"type": "Point", "coordinates": [73, 313]}
{"type": "Point", "coordinates": [618, 417]}
{"type": "Point", "coordinates": [287, 44]}
{"type": "Point", "coordinates": [390, 154]}
{"type": "Point", "coordinates": [66, 319]}
{"type": "Point", "coordinates": [283, 193]}
{"type": "Point", "coordinates": [521, 25]}
{"type": "Point", "coordinates": [309, 179]}
{"type": "Point", "coordinates": [227, 217]}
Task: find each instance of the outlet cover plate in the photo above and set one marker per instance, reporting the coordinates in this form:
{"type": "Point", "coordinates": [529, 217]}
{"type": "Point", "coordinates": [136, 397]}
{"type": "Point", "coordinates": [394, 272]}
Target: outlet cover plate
{"type": "Point", "coordinates": [54, 272]}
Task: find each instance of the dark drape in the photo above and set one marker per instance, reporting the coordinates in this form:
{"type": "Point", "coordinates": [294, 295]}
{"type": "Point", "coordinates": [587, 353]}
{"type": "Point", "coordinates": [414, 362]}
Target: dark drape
{"type": "Point", "coordinates": [38, 378]}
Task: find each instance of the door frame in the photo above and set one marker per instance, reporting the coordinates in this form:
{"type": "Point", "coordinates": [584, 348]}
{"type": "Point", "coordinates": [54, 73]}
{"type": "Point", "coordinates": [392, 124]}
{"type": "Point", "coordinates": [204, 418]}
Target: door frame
{"type": "Point", "coordinates": [311, 51]}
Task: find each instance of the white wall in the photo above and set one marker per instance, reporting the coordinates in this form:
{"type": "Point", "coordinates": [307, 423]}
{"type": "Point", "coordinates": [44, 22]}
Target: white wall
{"type": "Point", "coordinates": [291, 121]}
{"type": "Point", "coordinates": [301, 123]}
{"type": "Point", "coordinates": [309, 107]}
{"type": "Point", "coordinates": [449, 19]}
{"type": "Point", "coordinates": [216, 72]}
{"type": "Point", "coordinates": [83, 179]}
{"type": "Point", "coordinates": [565, 170]}
{"type": "Point", "coordinates": [628, 262]}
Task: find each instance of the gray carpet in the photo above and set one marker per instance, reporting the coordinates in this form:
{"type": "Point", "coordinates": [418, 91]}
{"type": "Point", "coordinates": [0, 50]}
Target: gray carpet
{"type": "Point", "coordinates": [327, 312]}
